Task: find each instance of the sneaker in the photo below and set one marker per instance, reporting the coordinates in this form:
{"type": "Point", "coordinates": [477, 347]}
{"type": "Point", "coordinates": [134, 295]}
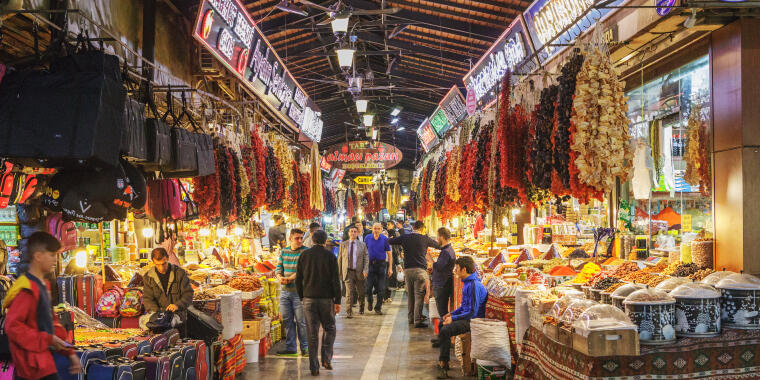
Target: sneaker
{"type": "Point", "coordinates": [305, 352]}
{"type": "Point", "coordinates": [315, 372]}
{"type": "Point", "coordinates": [378, 312]}
{"type": "Point", "coordinates": [287, 353]}
{"type": "Point", "coordinates": [349, 316]}
{"type": "Point", "coordinates": [361, 312]}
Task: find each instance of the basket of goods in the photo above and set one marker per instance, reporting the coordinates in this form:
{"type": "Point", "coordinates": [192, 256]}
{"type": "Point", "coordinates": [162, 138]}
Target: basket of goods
{"type": "Point", "coordinates": [672, 283]}
{"type": "Point", "coordinates": [714, 278]}
{"type": "Point", "coordinates": [618, 295]}
{"type": "Point", "coordinates": [654, 312]}
{"type": "Point", "coordinates": [697, 310]}
{"type": "Point", "coordinates": [599, 289]}
{"type": "Point", "coordinates": [740, 301]}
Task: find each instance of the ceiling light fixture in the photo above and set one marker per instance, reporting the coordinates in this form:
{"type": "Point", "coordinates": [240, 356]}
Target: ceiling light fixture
{"type": "Point", "coordinates": [400, 129]}
{"type": "Point", "coordinates": [340, 24]}
{"type": "Point", "coordinates": [346, 57]}
{"type": "Point", "coordinates": [285, 6]}
{"type": "Point", "coordinates": [361, 105]}
{"type": "Point", "coordinates": [396, 110]}
{"type": "Point", "coordinates": [374, 134]}
{"type": "Point", "coordinates": [368, 119]}
{"type": "Point", "coordinates": [394, 121]}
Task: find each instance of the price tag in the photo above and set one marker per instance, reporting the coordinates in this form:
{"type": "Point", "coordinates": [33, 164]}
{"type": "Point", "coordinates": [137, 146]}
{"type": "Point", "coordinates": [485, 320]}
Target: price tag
{"type": "Point", "coordinates": [216, 281]}
{"type": "Point", "coordinates": [686, 223]}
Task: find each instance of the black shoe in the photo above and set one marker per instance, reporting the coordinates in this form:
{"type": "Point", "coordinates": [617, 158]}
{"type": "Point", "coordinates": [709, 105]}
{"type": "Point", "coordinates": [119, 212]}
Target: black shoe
{"type": "Point", "coordinates": [434, 340]}
{"type": "Point", "coordinates": [420, 325]}
{"type": "Point", "coordinates": [349, 316]}
{"type": "Point", "coordinates": [315, 372]}
{"type": "Point", "coordinates": [411, 323]}
{"type": "Point", "coordinates": [361, 312]}
{"type": "Point", "coordinates": [436, 345]}
{"type": "Point", "coordinates": [423, 317]}
{"type": "Point", "coordinates": [378, 312]}
{"type": "Point", "coordinates": [327, 366]}
{"type": "Point", "coordinates": [287, 353]}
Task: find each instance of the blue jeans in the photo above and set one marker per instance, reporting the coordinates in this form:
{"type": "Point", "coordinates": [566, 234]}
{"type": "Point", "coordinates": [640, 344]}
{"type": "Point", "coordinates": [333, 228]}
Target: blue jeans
{"type": "Point", "coordinates": [376, 276]}
{"type": "Point", "coordinates": [293, 319]}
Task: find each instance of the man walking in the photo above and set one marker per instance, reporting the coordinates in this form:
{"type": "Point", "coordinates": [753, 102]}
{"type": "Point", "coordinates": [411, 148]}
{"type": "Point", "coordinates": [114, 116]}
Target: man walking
{"type": "Point", "coordinates": [474, 296]}
{"type": "Point", "coordinates": [354, 220]}
{"type": "Point", "coordinates": [318, 286]}
{"type": "Point", "coordinates": [353, 263]}
{"type": "Point", "coordinates": [290, 303]}
{"type": "Point", "coordinates": [380, 263]}
{"type": "Point", "coordinates": [396, 250]}
{"type": "Point", "coordinates": [415, 247]}
{"type": "Point", "coordinates": [443, 276]}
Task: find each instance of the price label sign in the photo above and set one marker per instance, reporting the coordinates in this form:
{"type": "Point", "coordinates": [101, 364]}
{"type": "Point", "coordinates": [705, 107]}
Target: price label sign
{"type": "Point", "coordinates": [686, 223]}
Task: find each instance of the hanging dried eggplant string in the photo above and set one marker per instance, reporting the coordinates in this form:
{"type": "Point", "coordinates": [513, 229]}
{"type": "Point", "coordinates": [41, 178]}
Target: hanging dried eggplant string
{"type": "Point", "coordinates": [541, 143]}
{"type": "Point", "coordinates": [561, 131]}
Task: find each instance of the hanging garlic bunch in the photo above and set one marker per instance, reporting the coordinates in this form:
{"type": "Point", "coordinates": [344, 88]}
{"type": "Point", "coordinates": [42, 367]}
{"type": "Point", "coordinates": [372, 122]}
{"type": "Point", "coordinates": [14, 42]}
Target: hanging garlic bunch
{"type": "Point", "coordinates": [601, 140]}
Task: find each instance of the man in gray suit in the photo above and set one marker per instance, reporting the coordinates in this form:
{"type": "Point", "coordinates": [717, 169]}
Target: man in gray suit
{"type": "Point", "coordinates": [353, 260]}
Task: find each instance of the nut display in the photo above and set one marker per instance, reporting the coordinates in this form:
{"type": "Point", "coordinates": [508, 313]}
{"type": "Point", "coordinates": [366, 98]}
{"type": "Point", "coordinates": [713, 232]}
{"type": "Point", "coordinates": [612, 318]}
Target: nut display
{"type": "Point", "coordinates": [245, 283]}
{"type": "Point", "coordinates": [624, 269]}
{"type": "Point", "coordinates": [686, 270]}
{"type": "Point", "coordinates": [701, 274]}
{"type": "Point", "coordinates": [671, 268]}
{"type": "Point", "coordinates": [606, 282]}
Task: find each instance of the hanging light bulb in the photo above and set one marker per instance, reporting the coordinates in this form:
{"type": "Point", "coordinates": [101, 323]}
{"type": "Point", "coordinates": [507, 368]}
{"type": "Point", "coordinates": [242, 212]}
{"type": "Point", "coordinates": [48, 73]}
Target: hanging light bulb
{"type": "Point", "coordinates": [81, 258]}
{"type": "Point", "coordinates": [374, 134]}
{"type": "Point", "coordinates": [147, 232]}
{"type": "Point", "coordinates": [361, 105]}
{"type": "Point", "coordinates": [368, 119]}
{"type": "Point", "coordinates": [345, 57]}
{"type": "Point", "coordinates": [504, 221]}
{"type": "Point", "coordinates": [340, 24]}
{"type": "Point", "coordinates": [220, 232]}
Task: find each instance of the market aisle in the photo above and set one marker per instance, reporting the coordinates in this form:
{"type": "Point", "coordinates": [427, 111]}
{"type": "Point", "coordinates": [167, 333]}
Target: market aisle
{"type": "Point", "coordinates": [368, 347]}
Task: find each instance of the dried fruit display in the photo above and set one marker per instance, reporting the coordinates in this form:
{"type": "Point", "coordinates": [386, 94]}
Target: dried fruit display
{"type": "Point", "coordinates": [625, 269]}
{"type": "Point", "coordinates": [600, 140]}
{"type": "Point", "coordinates": [606, 282]}
{"type": "Point", "coordinates": [452, 174]}
{"type": "Point", "coordinates": [561, 130]}
{"type": "Point", "coordinates": [259, 153]}
{"type": "Point", "coordinates": [285, 158]}
{"type": "Point", "coordinates": [540, 150]}
{"type": "Point", "coordinates": [701, 274]}
{"type": "Point", "coordinates": [696, 155]}
{"type": "Point", "coordinates": [206, 193]}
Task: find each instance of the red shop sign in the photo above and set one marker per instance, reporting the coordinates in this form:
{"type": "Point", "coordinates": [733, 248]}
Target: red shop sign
{"type": "Point", "coordinates": [363, 156]}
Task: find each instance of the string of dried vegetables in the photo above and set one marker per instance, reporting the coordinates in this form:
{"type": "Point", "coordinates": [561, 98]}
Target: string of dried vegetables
{"type": "Point", "coordinates": [540, 151]}
{"type": "Point", "coordinates": [259, 154]}
{"type": "Point", "coordinates": [206, 193]}
{"type": "Point", "coordinates": [453, 166]}
{"type": "Point", "coordinates": [228, 185]}
{"type": "Point", "coordinates": [275, 190]}
{"type": "Point", "coordinates": [696, 155]}
{"type": "Point", "coordinates": [561, 131]}
{"type": "Point", "coordinates": [602, 139]}
{"type": "Point", "coordinates": [655, 145]}
{"type": "Point", "coordinates": [243, 214]}
{"type": "Point", "coordinates": [285, 159]}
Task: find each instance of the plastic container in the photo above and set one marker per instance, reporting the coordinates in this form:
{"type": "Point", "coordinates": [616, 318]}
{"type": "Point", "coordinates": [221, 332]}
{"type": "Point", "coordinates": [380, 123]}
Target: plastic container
{"type": "Point", "coordinates": [654, 312]}
{"type": "Point", "coordinates": [596, 295]}
{"type": "Point", "coordinates": [574, 310]}
{"type": "Point", "coordinates": [714, 278]}
{"type": "Point", "coordinates": [251, 351]}
{"type": "Point", "coordinates": [740, 301]}
{"type": "Point", "coordinates": [697, 310]}
{"type": "Point", "coordinates": [672, 283]}
{"type": "Point", "coordinates": [602, 317]}
{"type": "Point", "coordinates": [619, 295]}
{"type": "Point", "coordinates": [561, 305]}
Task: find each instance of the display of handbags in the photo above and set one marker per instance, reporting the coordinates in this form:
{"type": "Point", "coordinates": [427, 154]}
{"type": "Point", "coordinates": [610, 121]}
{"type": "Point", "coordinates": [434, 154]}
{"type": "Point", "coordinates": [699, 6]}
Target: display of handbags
{"type": "Point", "coordinates": [134, 142]}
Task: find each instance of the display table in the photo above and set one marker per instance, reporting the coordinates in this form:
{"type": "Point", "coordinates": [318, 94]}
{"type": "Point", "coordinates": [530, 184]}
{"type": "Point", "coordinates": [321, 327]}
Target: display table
{"type": "Point", "coordinates": [735, 354]}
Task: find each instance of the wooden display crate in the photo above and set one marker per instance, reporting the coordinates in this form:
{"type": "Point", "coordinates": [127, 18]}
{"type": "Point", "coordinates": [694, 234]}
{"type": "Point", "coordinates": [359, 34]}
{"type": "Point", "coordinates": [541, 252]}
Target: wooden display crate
{"type": "Point", "coordinates": [551, 331]}
{"type": "Point", "coordinates": [255, 329]}
{"type": "Point", "coordinates": [608, 343]}
{"type": "Point", "coordinates": [565, 335]}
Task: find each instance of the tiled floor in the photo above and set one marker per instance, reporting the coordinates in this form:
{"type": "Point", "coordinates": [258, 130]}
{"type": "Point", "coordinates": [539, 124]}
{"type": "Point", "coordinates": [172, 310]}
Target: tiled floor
{"type": "Point", "coordinates": [367, 347]}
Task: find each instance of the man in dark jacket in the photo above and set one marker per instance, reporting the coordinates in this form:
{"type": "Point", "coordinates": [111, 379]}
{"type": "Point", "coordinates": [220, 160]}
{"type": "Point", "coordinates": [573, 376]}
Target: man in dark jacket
{"type": "Point", "coordinates": [443, 278]}
{"type": "Point", "coordinates": [277, 233]}
{"type": "Point", "coordinates": [474, 296]}
{"type": "Point", "coordinates": [318, 285]}
{"type": "Point", "coordinates": [166, 287]}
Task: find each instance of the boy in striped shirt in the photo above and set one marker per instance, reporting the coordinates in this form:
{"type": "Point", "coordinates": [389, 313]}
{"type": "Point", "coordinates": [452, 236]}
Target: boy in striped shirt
{"type": "Point", "coordinates": [290, 304]}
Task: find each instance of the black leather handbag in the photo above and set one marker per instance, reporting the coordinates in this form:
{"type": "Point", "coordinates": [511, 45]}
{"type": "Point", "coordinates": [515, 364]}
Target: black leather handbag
{"type": "Point", "coordinates": [184, 150]}
{"type": "Point", "coordinates": [134, 143]}
{"type": "Point", "coordinates": [158, 137]}
{"type": "Point", "coordinates": [61, 118]}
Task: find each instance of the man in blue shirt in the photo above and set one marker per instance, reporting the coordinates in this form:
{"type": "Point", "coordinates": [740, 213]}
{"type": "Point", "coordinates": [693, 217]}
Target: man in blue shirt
{"type": "Point", "coordinates": [443, 275]}
{"type": "Point", "coordinates": [474, 296]}
{"type": "Point", "coordinates": [380, 264]}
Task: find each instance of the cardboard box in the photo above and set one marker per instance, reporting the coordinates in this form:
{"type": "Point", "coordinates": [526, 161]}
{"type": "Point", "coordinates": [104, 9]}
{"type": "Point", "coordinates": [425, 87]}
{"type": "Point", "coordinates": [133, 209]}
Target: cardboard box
{"type": "Point", "coordinates": [608, 343]}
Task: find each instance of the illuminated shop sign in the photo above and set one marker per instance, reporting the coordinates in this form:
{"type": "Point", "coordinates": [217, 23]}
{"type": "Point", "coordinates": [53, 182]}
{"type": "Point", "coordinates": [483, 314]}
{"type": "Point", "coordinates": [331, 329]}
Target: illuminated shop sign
{"type": "Point", "coordinates": [427, 136]}
{"type": "Point", "coordinates": [546, 19]}
{"type": "Point", "coordinates": [440, 122]}
{"type": "Point", "coordinates": [453, 106]}
{"type": "Point", "coordinates": [363, 156]}
{"type": "Point", "coordinates": [225, 28]}
{"type": "Point", "coordinates": [506, 53]}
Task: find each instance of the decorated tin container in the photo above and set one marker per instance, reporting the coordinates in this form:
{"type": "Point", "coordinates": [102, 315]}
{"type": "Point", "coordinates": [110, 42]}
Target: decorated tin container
{"type": "Point", "coordinates": [697, 310]}
{"type": "Point", "coordinates": [740, 301]}
{"type": "Point", "coordinates": [654, 312]}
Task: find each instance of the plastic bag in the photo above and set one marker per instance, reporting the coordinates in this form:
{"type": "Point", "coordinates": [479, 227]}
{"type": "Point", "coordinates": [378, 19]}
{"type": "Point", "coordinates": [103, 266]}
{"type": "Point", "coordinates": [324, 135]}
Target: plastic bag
{"type": "Point", "coordinates": [433, 309]}
{"type": "Point", "coordinates": [490, 341]}
{"type": "Point", "coordinates": [400, 276]}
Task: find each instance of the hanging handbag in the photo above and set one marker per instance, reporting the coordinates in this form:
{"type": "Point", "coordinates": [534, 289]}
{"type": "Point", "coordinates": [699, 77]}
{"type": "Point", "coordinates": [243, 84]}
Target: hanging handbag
{"type": "Point", "coordinates": [158, 136]}
{"type": "Point", "coordinates": [134, 143]}
{"type": "Point", "coordinates": [191, 208]}
{"type": "Point", "coordinates": [184, 148]}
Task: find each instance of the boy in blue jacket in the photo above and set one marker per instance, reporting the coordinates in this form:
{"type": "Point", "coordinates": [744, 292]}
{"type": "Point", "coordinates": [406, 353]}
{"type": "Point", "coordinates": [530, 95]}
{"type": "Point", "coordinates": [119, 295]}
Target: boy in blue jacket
{"type": "Point", "coordinates": [474, 296]}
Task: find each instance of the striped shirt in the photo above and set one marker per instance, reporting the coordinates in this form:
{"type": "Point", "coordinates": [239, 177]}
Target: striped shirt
{"type": "Point", "coordinates": [286, 266]}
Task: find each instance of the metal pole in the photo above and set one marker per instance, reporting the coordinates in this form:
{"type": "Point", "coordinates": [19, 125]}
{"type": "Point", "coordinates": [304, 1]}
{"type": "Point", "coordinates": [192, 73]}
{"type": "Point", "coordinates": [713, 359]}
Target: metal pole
{"type": "Point", "coordinates": [149, 45]}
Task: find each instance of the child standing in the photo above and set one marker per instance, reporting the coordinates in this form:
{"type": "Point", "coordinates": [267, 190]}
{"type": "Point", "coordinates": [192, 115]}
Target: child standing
{"type": "Point", "coordinates": [29, 322]}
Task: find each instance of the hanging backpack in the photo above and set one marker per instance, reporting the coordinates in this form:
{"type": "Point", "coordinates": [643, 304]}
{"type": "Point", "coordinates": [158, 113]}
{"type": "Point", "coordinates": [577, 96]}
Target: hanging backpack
{"type": "Point", "coordinates": [131, 305]}
{"type": "Point", "coordinates": [65, 232]}
{"type": "Point", "coordinates": [171, 198]}
{"type": "Point", "coordinates": [109, 303]}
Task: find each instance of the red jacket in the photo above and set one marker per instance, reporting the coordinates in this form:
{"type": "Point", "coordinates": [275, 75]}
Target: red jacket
{"type": "Point", "coordinates": [30, 350]}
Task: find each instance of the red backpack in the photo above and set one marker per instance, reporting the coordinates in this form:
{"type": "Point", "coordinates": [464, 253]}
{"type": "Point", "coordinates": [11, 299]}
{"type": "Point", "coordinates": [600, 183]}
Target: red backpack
{"type": "Point", "coordinates": [66, 232]}
{"type": "Point", "coordinates": [171, 197]}
{"type": "Point", "coordinates": [110, 302]}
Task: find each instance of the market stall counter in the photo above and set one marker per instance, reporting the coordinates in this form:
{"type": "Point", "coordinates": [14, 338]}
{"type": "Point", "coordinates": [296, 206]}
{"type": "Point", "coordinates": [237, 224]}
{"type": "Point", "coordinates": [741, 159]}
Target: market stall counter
{"type": "Point", "coordinates": [731, 355]}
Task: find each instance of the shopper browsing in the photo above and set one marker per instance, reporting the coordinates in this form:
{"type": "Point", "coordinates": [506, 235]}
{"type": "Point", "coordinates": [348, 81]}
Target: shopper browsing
{"type": "Point", "coordinates": [474, 296]}
{"type": "Point", "coordinates": [313, 227]}
{"type": "Point", "coordinates": [318, 285]}
{"type": "Point", "coordinates": [354, 221]}
{"type": "Point", "coordinates": [443, 278]}
{"type": "Point", "coordinates": [29, 321]}
{"type": "Point", "coordinates": [290, 304]}
{"type": "Point", "coordinates": [415, 246]}
{"type": "Point", "coordinates": [166, 287]}
{"type": "Point", "coordinates": [380, 263]}
{"type": "Point", "coordinates": [277, 233]}
{"type": "Point", "coordinates": [353, 264]}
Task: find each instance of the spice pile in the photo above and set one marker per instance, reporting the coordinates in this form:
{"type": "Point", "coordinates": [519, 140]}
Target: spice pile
{"type": "Point", "coordinates": [245, 283]}
{"type": "Point", "coordinates": [588, 271]}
